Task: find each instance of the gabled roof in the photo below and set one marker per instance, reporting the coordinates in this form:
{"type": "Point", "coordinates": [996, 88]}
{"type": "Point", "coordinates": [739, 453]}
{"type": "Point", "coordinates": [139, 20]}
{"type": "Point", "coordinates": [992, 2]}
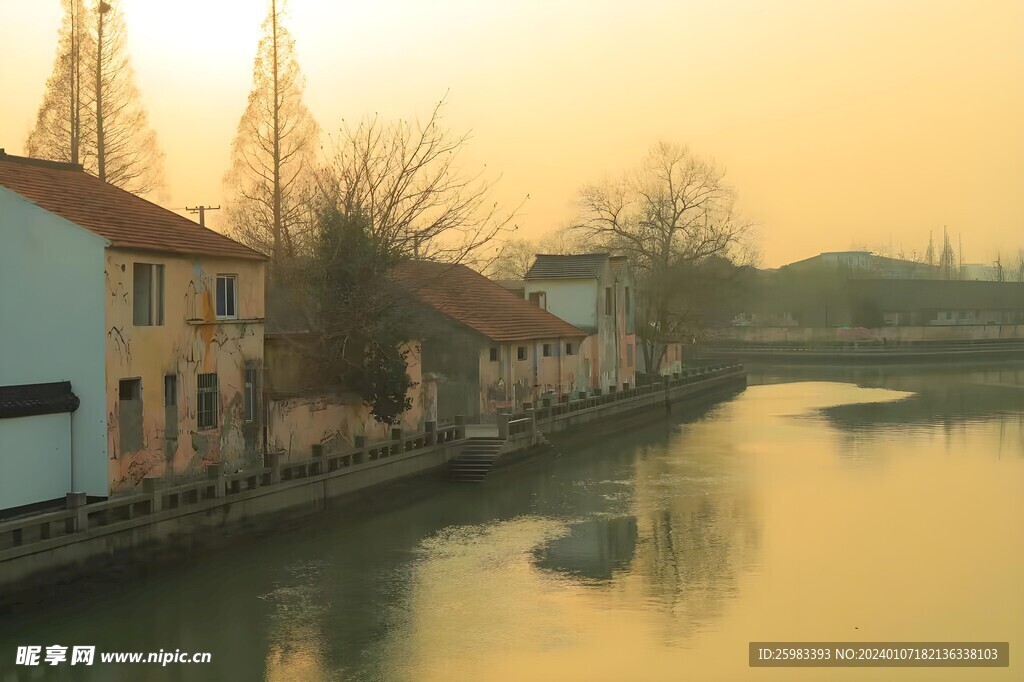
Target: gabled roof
{"type": "Point", "coordinates": [471, 299]}
{"type": "Point", "coordinates": [124, 219]}
{"type": "Point", "coordinates": [571, 266]}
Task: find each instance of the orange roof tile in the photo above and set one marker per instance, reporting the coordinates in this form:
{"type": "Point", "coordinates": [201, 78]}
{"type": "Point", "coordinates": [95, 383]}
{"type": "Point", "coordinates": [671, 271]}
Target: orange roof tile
{"type": "Point", "coordinates": [479, 303]}
{"type": "Point", "coordinates": [126, 220]}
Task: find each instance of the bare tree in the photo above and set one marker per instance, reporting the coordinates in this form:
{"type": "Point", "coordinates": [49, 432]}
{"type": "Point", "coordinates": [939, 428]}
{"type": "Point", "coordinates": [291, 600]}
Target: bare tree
{"type": "Point", "coordinates": [127, 152]}
{"type": "Point", "coordinates": [407, 182]}
{"type": "Point", "coordinates": [516, 255]}
{"type": "Point", "coordinates": [514, 259]}
{"type": "Point", "coordinates": [274, 151]}
{"type": "Point", "coordinates": [674, 211]}
{"type": "Point", "coordinates": [91, 112]}
{"type": "Point", "coordinates": [64, 123]}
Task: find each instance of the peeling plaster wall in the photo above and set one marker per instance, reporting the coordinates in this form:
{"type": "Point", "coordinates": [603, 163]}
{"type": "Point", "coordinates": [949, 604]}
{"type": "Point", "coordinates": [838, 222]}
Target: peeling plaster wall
{"type": "Point", "coordinates": [296, 423]}
{"type": "Point", "coordinates": [51, 329]}
{"type": "Point", "coordinates": [189, 342]}
{"type": "Point", "coordinates": [508, 382]}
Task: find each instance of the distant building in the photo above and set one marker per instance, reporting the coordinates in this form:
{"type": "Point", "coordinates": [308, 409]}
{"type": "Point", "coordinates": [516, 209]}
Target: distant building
{"type": "Point", "coordinates": [484, 349]}
{"type": "Point", "coordinates": [866, 264]}
{"type": "Point", "coordinates": [594, 292]}
{"type": "Point", "coordinates": [153, 323]}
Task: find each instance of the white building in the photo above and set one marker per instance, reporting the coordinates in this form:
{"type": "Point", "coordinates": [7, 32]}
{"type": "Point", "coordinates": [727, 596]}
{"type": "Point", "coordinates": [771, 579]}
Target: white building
{"type": "Point", "coordinates": [51, 330]}
{"type": "Point", "coordinates": [594, 292]}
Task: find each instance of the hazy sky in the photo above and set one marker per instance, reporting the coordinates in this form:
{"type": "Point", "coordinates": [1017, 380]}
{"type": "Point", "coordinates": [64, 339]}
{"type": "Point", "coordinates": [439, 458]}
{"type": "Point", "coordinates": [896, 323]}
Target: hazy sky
{"type": "Point", "coordinates": [839, 123]}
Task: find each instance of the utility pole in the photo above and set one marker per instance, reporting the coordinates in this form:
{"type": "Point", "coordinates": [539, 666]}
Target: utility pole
{"type": "Point", "coordinates": [201, 210]}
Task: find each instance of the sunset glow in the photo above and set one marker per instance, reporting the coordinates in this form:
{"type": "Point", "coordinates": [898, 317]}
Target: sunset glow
{"type": "Point", "coordinates": [840, 124]}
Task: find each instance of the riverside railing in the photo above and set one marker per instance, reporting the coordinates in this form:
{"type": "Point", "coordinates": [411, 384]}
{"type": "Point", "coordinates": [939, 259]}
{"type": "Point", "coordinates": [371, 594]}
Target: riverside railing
{"type": "Point", "coordinates": [551, 407]}
{"type": "Point", "coordinates": [38, 531]}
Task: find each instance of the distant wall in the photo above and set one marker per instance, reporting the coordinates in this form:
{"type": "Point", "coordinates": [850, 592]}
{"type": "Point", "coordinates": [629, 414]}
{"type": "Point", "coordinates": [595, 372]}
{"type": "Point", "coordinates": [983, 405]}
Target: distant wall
{"type": "Point", "coordinates": [831, 334]}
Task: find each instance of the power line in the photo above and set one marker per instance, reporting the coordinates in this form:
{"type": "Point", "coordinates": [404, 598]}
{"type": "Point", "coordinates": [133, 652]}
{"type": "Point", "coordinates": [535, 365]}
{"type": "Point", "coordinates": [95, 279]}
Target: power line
{"type": "Point", "coordinates": [201, 210]}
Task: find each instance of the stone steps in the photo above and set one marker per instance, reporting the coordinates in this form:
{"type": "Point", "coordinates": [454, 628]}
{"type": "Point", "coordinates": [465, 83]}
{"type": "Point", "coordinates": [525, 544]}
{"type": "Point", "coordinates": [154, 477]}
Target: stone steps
{"type": "Point", "coordinates": [475, 460]}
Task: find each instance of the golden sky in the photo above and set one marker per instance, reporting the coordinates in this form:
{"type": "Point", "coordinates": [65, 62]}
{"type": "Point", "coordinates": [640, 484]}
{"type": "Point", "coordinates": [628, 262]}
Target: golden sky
{"type": "Point", "coordinates": [840, 123]}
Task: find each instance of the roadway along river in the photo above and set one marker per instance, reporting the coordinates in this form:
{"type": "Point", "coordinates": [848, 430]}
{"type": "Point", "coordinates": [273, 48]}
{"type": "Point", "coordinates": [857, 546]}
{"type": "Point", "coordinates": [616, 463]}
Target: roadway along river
{"type": "Point", "coordinates": [851, 505]}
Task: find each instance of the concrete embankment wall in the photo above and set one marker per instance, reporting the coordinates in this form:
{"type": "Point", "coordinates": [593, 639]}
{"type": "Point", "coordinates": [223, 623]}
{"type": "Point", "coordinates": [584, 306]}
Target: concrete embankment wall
{"type": "Point", "coordinates": [53, 547]}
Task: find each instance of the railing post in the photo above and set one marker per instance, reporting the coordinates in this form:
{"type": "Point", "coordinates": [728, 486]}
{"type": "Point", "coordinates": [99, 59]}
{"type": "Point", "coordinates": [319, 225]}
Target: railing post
{"type": "Point", "coordinates": [503, 426]}
{"type": "Point", "coordinates": [76, 502]}
{"type": "Point", "coordinates": [460, 427]}
{"type": "Point", "coordinates": [151, 486]}
{"type": "Point", "coordinates": [272, 460]}
{"type": "Point", "coordinates": [430, 432]}
{"type": "Point", "coordinates": [215, 473]}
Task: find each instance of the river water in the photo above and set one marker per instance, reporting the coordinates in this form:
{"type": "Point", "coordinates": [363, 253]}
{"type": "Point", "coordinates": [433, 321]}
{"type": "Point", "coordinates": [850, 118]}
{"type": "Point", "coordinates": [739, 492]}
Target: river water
{"type": "Point", "coordinates": [817, 505]}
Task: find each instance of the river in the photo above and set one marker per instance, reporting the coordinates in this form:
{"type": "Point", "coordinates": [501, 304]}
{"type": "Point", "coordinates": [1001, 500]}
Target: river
{"type": "Point", "coordinates": [826, 505]}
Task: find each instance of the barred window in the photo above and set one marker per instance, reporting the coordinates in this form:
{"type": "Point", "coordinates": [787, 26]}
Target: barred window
{"type": "Point", "coordinates": [250, 395]}
{"type": "Point", "coordinates": [206, 402]}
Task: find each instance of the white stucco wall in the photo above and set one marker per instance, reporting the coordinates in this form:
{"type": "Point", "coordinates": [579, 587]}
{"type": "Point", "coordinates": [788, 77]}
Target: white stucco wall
{"type": "Point", "coordinates": [35, 459]}
{"type": "Point", "coordinates": [573, 300]}
{"type": "Point", "coordinates": [52, 329]}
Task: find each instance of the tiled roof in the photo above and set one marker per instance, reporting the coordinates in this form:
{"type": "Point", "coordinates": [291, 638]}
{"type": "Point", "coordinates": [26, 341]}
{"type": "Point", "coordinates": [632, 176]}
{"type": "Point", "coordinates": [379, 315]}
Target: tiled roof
{"type": "Point", "coordinates": [124, 219]}
{"type": "Point", "coordinates": [516, 286]}
{"type": "Point", "coordinates": [28, 400]}
{"type": "Point", "coordinates": [573, 266]}
{"type": "Point", "coordinates": [617, 262]}
{"type": "Point", "coordinates": [485, 306]}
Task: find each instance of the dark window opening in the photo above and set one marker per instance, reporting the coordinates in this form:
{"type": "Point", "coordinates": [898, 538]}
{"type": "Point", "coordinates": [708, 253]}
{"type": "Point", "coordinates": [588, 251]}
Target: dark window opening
{"type": "Point", "coordinates": [130, 389]}
{"type": "Point", "coordinates": [129, 410]}
{"type": "Point", "coordinates": [170, 390]}
{"type": "Point", "coordinates": [521, 352]}
{"type": "Point", "coordinates": [494, 354]}
{"type": "Point", "coordinates": [568, 349]}
{"type": "Point", "coordinates": [547, 350]}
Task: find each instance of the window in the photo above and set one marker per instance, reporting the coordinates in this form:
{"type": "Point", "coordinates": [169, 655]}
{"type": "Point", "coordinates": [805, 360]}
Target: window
{"type": "Point", "coordinates": [568, 349]}
{"type": "Point", "coordinates": [129, 410]}
{"type": "Point", "coordinates": [629, 355]}
{"type": "Point", "coordinates": [539, 299]}
{"type": "Point", "coordinates": [629, 312]}
{"type": "Point", "coordinates": [608, 301]}
{"type": "Point", "coordinates": [494, 354]}
{"type": "Point", "coordinates": [170, 390]}
{"type": "Point", "coordinates": [227, 297]}
{"type": "Point", "coordinates": [250, 394]}
{"type": "Point", "coordinates": [547, 350]}
{"type": "Point", "coordinates": [130, 389]}
{"type": "Point", "coordinates": [206, 401]}
{"type": "Point", "coordinates": [521, 352]}
{"type": "Point", "coordinates": [147, 295]}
